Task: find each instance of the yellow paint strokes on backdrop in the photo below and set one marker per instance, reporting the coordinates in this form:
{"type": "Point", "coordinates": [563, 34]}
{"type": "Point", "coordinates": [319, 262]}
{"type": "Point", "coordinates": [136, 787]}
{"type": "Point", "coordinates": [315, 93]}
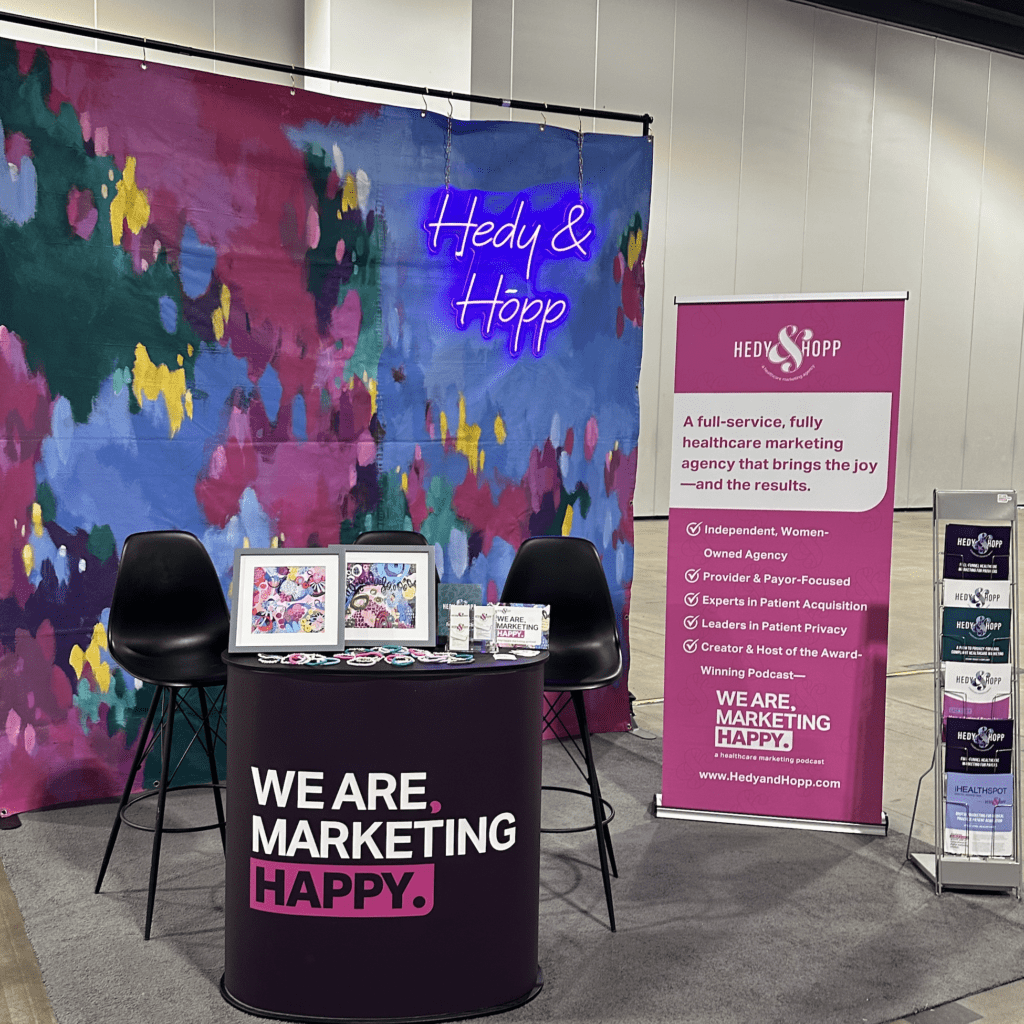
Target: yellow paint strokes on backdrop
{"type": "Point", "coordinates": [100, 669]}
{"type": "Point", "coordinates": [37, 519]}
{"type": "Point", "coordinates": [567, 521]}
{"type": "Point", "coordinates": [467, 438]}
{"type": "Point", "coordinates": [28, 558]}
{"type": "Point", "coordinates": [219, 317]}
{"type": "Point", "coordinates": [78, 658]}
{"type": "Point", "coordinates": [500, 432]}
{"type": "Point", "coordinates": [349, 194]}
{"type": "Point", "coordinates": [634, 247]}
{"type": "Point", "coordinates": [370, 384]}
{"type": "Point", "coordinates": [130, 204]}
{"type": "Point", "coordinates": [151, 380]}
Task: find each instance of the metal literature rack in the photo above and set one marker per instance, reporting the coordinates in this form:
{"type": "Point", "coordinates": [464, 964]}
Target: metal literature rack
{"type": "Point", "coordinates": [972, 870]}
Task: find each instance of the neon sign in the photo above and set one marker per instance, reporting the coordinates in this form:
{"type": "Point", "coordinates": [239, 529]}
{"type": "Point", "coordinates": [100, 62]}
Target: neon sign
{"type": "Point", "coordinates": [503, 254]}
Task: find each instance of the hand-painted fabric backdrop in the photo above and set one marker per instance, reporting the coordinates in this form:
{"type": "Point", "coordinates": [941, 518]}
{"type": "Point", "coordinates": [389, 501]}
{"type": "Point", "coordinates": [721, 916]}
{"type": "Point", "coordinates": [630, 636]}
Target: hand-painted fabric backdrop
{"type": "Point", "coordinates": [253, 315]}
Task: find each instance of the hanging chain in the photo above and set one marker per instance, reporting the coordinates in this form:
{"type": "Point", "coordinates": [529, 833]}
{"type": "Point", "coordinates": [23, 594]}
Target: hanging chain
{"type": "Point", "coordinates": [579, 136]}
{"type": "Point", "coordinates": [448, 150]}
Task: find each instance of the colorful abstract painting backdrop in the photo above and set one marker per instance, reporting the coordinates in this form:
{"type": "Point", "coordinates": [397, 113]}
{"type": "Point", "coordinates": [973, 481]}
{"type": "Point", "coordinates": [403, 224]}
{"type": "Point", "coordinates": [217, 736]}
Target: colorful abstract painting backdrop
{"type": "Point", "coordinates": [276, 319]}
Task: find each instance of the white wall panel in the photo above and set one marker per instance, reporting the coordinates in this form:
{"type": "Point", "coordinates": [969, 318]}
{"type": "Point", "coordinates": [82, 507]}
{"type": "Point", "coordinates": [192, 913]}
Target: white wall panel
{"type": "Point", "coordinates": [554, 57]}
{"type": "Point", "coordinates": [491, 59]}
{"type": "Point", "coordinates": [267, 29]}
{"type": "Point", "coordinates": [838, 171]}
{"type": "Point", "coordinates": [72, 12]}
{"type": "Point", "coordinates": [900, 145]}
{"type": "Point", "coordinates": [949, 268]}
{"type": "Point", "coordinates": [992, 398]}
{"type": "Point", "coordinates": [189, 22]}
{"type": "Point", "coordinates": [643, 31]}
{"type": "Point", "coordinates": [773, 183]}
{"type": "Point", "coordinates": [705, 156]}
{"type": "Point", "coordinates": [426, 43]}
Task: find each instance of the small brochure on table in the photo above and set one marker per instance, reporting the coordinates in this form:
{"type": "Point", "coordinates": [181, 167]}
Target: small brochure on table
{"type": "Point", "coordinates": [522, 625]}
{"type": "Point", "coordinates": [460, 620]}
{"type": "Point", "coordinates": [982, 637]}
{"type": "Point", "coordinates": [976, 552]}
{"type": "Point", "coordinates": [483, 622]}
{"type": "Point", "coordinates": [979, 815]}
{"type": "Point", "coordinates": [513, 625]}
{"type": "Point", "coordinates": [970, 594]}
{"type": "Point", "coordinates": [976, 691]}
{"type": "Point", "coordinates": [979, 747]}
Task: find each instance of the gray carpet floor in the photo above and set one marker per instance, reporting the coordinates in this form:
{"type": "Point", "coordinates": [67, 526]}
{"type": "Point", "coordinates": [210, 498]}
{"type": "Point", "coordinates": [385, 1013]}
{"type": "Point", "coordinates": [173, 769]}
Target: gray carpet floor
{"type": "Point", "coordinates": [717, 924]}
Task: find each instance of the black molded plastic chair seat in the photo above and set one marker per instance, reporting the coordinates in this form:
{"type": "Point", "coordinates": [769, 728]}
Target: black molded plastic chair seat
{"type": "Point", "coordinates": [186, 666]}
{"type": "Point", "coordinates": [584, 653]}
{"type": "Point", "coordinates": [591, 667]}
{"type": "Point", "coordinates": [168, 626]}
{"type": "Point", "coordinates": [396, 538]}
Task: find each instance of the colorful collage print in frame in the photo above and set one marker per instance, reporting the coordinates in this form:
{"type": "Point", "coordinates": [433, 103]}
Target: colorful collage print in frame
{"type": "Point", "coordinates": [286, 598]}
{"type": "Point", "coordinates": [390, 595]}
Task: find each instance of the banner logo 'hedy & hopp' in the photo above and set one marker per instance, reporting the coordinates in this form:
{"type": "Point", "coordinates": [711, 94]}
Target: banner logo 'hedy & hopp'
{"type": "Point", "coordinates": [789, 356]}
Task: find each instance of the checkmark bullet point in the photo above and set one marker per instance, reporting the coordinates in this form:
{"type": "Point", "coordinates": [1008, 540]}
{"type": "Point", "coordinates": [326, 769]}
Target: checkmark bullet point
{"type": "Point", "coordinates": [689, 646]}
{"type": "Point", "coordinates": [693, 529]}
{"type": "Point", "coordinates": [690, 622]}
{"type": "Point", "coordinates": [692, 599]}
{"type": "Point", "coordinates": [692, 575]}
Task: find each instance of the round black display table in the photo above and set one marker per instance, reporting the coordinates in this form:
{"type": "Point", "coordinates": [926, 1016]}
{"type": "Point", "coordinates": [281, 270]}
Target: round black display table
{"type": "Point", "coordinates": [383, 839]}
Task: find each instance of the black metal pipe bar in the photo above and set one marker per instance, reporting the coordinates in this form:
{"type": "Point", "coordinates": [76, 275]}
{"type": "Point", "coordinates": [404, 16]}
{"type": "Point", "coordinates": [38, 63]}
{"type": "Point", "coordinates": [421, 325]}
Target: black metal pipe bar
{"type": "Point", "coordinates": [291, 69]}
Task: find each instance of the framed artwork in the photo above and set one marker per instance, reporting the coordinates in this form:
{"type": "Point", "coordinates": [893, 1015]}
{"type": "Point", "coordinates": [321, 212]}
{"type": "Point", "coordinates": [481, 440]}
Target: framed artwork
{"type": "Point", "coordinates": [286, 598]}
{"type": "Point", "coordinates": [389, 595]}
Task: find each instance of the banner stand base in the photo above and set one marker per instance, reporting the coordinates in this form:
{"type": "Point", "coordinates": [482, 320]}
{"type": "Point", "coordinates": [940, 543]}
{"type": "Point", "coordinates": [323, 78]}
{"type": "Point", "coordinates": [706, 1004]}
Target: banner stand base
{"type": "Point", "coordinates": [768, 821]}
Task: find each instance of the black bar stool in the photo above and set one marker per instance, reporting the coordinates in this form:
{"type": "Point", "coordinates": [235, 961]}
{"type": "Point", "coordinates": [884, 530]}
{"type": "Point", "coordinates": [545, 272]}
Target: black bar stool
{"type": "Point", "coordinates": [168, 626]}
{"type": "Point", "coordinates": [584, 654]}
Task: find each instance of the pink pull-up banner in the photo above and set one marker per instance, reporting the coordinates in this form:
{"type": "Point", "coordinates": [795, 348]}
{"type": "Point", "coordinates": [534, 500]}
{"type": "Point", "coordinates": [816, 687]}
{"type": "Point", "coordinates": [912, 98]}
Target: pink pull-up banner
{"type": "Point", "coordinates": [779, 546]}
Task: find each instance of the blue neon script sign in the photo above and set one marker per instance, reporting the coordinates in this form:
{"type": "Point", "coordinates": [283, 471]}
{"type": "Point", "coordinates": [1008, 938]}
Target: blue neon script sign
{"type": "Point", "coordinates": [503, 254]}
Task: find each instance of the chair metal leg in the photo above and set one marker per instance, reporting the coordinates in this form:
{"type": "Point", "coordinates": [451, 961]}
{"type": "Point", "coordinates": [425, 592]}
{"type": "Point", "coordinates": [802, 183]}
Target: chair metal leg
{"type": "Point", "coordinates": [140, 753]}
{"type": "Point", "coordinates": [161, 800]}
{"type": "Point", "coordinates": [595, 796]}
{"type": "Point", "coordinates": [214, 777]}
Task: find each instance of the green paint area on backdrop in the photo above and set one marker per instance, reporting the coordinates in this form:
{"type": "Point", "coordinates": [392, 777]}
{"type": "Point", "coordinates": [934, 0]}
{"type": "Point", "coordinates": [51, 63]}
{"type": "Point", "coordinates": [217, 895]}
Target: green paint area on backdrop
{"type": "Point", "coordinates": [106, 307]}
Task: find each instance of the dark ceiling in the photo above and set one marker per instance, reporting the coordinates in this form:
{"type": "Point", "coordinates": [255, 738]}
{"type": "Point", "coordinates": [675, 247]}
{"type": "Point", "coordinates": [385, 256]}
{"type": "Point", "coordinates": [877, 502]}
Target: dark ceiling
{"type": "Point", "coordinates": [996, 24]}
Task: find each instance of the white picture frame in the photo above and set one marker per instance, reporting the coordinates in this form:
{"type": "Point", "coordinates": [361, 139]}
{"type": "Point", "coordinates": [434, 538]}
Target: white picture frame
{"type": "Point", "coordinates": [286, 599]}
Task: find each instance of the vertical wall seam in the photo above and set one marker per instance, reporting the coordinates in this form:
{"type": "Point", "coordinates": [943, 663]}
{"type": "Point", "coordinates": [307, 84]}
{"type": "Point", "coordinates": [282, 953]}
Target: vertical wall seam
{"type": "Point", "coordinates": [597, 56]}
{"type": "Point", "coordinates": [871, 165]}
{"type": "Point", "coordinates": [977, 262]}
{"type": "Point", "coordinates": [1016, 411]}
{"type": "Point", "coordinates": [743, 148]}
{"type": "Point", "coordinates": [810, 142]}
{"type": "Point", "coordinates": [512, 56]}
{"type": "Point", "coordinates": [920, 286]}
{"type": "Point", "coordinates": [664, 275]}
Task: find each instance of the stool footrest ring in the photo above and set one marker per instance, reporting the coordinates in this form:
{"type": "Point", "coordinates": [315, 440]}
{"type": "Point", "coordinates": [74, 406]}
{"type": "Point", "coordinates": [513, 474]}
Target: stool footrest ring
{"type": "Point", "coordinates": [581, 792]}
{"type": "Point", "coordinates": [150, 793]}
